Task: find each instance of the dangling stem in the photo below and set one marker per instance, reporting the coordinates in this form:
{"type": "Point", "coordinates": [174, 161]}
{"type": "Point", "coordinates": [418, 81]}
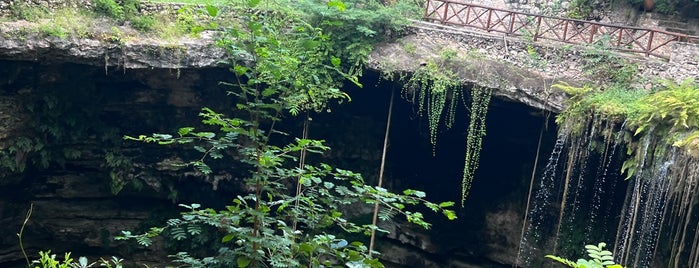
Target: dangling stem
{"type": "Point", "coordinates": [684, 231]}
{"type": "Point", "coordinates": [302, 163]}
{"type": "Point", "coordinates": [21, 231]}
{"type": "Point", "coordinates": [620, 250]}
{"type": "Point", "coordinates": [637, 203]}
{"type": "Point", "coordinates": [569, 171]}
{"type": "Point", "coordinates": [529, 194]}
{"type": "Point", "coordinates": [383, 164]}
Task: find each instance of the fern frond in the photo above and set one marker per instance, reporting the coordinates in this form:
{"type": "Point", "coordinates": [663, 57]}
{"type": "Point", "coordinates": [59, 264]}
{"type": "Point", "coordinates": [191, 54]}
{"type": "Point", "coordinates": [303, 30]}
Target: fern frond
{"type": "Point", "coordinates": [567, 262]}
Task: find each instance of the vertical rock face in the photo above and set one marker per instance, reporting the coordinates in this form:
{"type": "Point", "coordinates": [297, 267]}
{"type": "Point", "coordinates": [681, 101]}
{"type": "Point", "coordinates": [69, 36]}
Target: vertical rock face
{"type": "Point", "coordinates": [61, 125]}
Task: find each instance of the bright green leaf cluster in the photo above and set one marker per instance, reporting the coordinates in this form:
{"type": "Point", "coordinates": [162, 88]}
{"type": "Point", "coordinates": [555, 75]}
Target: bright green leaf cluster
{"type": "Point", "coordinates": [599, 258]}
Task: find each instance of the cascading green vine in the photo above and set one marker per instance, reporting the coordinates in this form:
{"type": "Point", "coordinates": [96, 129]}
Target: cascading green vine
{"type": "Point", "coordinates": [451, 112]}
{"type": "Point", "coordinates": [480, 98]}
{"type": "Point", "coordinates": [433, 89]}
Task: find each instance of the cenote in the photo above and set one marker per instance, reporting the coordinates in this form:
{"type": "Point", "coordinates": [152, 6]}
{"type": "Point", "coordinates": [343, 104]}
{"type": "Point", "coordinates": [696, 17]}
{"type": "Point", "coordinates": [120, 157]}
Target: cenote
{"type": "Point", "coordinates": [291, 139]}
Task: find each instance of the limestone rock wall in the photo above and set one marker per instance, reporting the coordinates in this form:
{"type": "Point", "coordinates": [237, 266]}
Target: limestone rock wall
{"type": "Point", "coordinates": [6, 6]}
{"type": "Point", "coordinates": [556, 8]}
{"type": "Point", "coordinates": [523, 71]}
{"type": "Point", "coordinates": [146, 8]}
{"type": "Point", "coordinates": [80, 108]}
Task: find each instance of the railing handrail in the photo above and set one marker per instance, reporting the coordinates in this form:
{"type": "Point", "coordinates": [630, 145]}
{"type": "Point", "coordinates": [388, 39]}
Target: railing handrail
{"type": "Point", "coordinates": [633, 37]}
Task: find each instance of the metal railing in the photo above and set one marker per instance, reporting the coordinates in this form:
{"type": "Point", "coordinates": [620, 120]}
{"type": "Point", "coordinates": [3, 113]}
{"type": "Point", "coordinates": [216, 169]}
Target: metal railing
{"type": "Point", "coordinates": [572, 31]}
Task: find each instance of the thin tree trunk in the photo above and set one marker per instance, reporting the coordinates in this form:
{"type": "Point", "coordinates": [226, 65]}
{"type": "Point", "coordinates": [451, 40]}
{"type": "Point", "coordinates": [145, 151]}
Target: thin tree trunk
{"type": "Point", "coordinates": [383, 164]}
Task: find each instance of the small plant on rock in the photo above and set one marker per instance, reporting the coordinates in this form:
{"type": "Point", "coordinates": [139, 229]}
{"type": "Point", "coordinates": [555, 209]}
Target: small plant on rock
{"type": "Point", "coordinates": [599, 258]}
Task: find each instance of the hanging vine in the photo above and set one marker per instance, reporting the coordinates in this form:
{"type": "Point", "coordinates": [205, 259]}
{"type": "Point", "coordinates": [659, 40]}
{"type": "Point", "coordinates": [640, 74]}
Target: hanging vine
{"type": "Point", "coordinates": [432, 89]}
{"type": "Point", "coordinates": [480, 98]}
{"type": "Point", "coordinates": [435, 89]}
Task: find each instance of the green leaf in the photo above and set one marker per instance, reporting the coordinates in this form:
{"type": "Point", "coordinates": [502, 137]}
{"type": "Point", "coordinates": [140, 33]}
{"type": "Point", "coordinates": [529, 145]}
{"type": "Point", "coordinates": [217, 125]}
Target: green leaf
{"type": "Point", "coordinates": [243, 262]}
{"type": "Point", "coordinates": [216, 155]}
{"type": "Point", "coordinates": [255, 26]}
{"type": "Point", "coordinates": [211, 10]}
{"type": "Point", "coordinates": [227, 238]}
{"type": "Point", "coordinates": [337, 4]}
{"type": "Point", "coordinates": [162, 136]}
{"type": "Point", "coordinates": [450, 214]}
{"type": "Point", "coordinates": [446, 204]}
{"type": "Point", "coordinates": [253, 3]}
{"type": "Point", "coordinates": [310, 44]}
{"type": "Point", "coordinates": [185, 130]}
{"type": "Point", "coordinates": [208, 135]}
{"type": "Point", "coordinates": [306, 248]}
{"type": "Point", "coordinates": [240, 70]}
{"type": "Point", "coordinates": [419, 194]}
{"type": "Point", "coordinates": [268, 92]}
{"type": "Point", "coordinates": [335, 61]}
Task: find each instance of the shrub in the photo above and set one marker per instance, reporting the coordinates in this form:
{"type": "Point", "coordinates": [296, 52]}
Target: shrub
{"type": "Point", "coordinates": [109, 8]}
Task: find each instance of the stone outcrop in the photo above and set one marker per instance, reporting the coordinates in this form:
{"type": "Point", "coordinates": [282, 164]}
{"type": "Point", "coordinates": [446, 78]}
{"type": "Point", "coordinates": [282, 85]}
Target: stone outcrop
{"type": "Point", "coordinates": [491, 62]}
{"type": "Point", "coordinates": [520, 70]}
{"type": "Point", "coordinates": [554, 8]}
{"type": "Point", "coordinates": [146, 8]}
{"type": "Point", "coordinates": [135, 53]}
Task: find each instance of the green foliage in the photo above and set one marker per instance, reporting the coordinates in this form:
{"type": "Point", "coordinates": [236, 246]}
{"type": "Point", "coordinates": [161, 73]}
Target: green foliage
{"type": "Point", "coordinates": [121, 170]}
{"type": "Point", "coordinates": [123, 11]}
{"type": "Point", "coordinates": [293, 68]}
{"type": "Point", "coordinates": [677, 107]}
{"type": "Point", "coordinates": [53, 30]}
{"type": "Point", "coordinates": [13, 159]}
{"type": "Point", "coordinates": [448, 55]}
{"type": "Point", "coordinates": [56, 131]}
{"type": "Point", "coordinates": [535, 59]}
{"type": "Point", "coordinates": [580, 9]}
{"type": "Point", "coordinates": [354, 26]}
{"type": "Point", "coordinates": [143, 23]}
{"type": "Point", "coordinates": [480, 98]}
{"type": "Point", "coordinates": [192, 21]}
{"type": "Point", "coordinates": [434, 88]}
{"type": "Point", "coordinates": [671, 115]}
{"type": "Point", "coordinates": [59, 23]}
{"type": "Point", "coordinates": [109, 8]}
{"type": "Point", "coordinates": [437, 90]}
{"type": "Point", "coordinates": [22, 10]}
{"type": "Point", "coordinates": [48, 260]}
{"type": "Point", "coordinates": [599, 258]}
{"type": "Point", "coordinates": [615, 104]}
{"type": "Point", "coordinates": [281, 64]}
{"type": "Point", "coordinates": [601, 64]}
